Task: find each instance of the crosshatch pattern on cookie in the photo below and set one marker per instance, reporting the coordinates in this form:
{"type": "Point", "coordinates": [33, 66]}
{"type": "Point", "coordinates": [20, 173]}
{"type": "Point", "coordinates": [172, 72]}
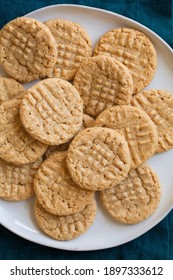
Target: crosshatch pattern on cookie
{"type": "Point", "coordinates": [133, 49]}
{"type": "Point", "coordinates": [135, 198]}
{"type": "Point", "coordinates": [73, 46]}
{"type": "Point", "coordinates": [137, 128]}
{"type": "Point", "coordinates": [65, 227]}
{"type": "Point", "coordinates": [98, 158]}
{"type": "Point", "coordinates": [27, 49]}
{"type": "Point", "coordinates": [158, 104]}
{"type": "Point", "coordinates": [52, 111]}
{"type": "Point", "coordinates": [56, 191]}
{"type": "Point", "coordinates": [103, 82]}
{"type": "Point", "coordinates": [16, 182]}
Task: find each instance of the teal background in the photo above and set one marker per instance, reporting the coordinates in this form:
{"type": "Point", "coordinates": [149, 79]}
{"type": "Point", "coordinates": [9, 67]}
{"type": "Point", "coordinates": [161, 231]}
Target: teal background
{"type": "Point", "coordinates": [156, 243]}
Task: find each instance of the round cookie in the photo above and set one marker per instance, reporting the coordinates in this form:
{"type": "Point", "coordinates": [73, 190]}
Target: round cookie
{"type": "Point", "coordinates": [137, 128]}
{"type": "Point", "coordinates": [51, 111]}
{"type": "Point", "coordinates": [87, 122]}
{"type": "Point", "coordinates": [65, 227]}
{"type": "Point", "coordinates": [133, 49]}
{"type": "Point", "coordinates": [55, 190]}
{"type": "Point", "coordinates": [16, 145]}
{"type": "Point", "coordinates": [134, 199]}
{"type": "Point", "coordinates": [73, 46]}
{"type": "Point", "coordinates": [98, 158]}
{"type": "Point", "coordinates": [16, 182]}
{"type": "Point", "coordinates": [9, 89]}
{"type": "Point", "coordinates": [158, 104]}
{"type": "Point", "coordinates": [103, 82]}
{"type": "Point", "coordinates": [27, 49]}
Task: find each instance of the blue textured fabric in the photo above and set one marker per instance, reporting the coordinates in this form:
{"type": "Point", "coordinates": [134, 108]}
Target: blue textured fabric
{"type": "Point", "coordinates": [156, 243]}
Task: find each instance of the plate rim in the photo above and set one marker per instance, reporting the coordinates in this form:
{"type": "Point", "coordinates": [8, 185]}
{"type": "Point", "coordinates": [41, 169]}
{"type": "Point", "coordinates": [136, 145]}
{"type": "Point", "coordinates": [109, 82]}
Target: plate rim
{"type": "Point", "coordinates": [107, 12]}
{"type": "Point", "coordinates": [143, 231]}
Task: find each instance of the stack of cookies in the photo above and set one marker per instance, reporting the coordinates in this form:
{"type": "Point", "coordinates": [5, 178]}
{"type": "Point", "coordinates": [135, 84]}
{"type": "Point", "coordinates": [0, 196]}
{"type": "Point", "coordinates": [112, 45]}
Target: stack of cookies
{"type": "Point", "coordinates": [86, 127]}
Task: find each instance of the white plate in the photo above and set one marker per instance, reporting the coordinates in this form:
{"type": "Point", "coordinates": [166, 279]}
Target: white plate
{"type": "Point", "coordinates": [104, 233]}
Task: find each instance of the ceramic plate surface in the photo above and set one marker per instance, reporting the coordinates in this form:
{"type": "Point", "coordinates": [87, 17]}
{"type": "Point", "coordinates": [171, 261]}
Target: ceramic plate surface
{"type": "Point", "coordinates": [104, 233]}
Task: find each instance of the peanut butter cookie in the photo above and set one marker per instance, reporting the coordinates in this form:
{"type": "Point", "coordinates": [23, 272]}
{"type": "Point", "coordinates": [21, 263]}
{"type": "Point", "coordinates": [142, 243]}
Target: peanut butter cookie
{"type": "Point", "coordinates": [98, 158]}
{"type": "Point", "coordinates": [73, 47]}
{"type": "Point", "coordinates": [158, 104]}
{"type": "Point", "coordinates": [103, 82]}
{"type": "Point", "coordinates": [52, 111]}
{"type": "Point", "coordinates": [137, 128]}
{"type": "Point", "coordinates": [27, 49]}
{"type": "Point", "coordinates": [134, 199]}
{"type": "Point", "coordinates": [134, 49]}
{"type": "Point", "coordinates": [65, 227]}
{"type": "Point", "coordinates": [56, 191]}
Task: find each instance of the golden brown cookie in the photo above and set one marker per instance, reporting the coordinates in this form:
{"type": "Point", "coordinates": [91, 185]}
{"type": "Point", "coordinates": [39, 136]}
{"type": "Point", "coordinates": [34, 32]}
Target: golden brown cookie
{"type": "Point", "coordinates": [103, 82]}
{"type": "Point", "coordinates": [73, 47]}
{"type": "Point", "coordinates": [9, 89]}
{"type": "Point", "coordinates": [55, 190]}
{"type": "Point", "coordinates": [52, 111]}
{"type": "Point", "coordinates": [158, 104]}
{"type": "Point", "coordinates": [16, 145]}
{"type": "Point", "coordinates": [98, 158]}
{"type": "Point", "coordinates": [65, 227]}
{"type": "Point", "coordinates": [133, 49]}
{"type": "Point", "coordinates": [137, 128]}
{"type": "Point", "coordinates": [134, 199]}
{"type": "Point", "coordinates": [27, 49]}
{"type": "Point", "coordinates": [16, 182]}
